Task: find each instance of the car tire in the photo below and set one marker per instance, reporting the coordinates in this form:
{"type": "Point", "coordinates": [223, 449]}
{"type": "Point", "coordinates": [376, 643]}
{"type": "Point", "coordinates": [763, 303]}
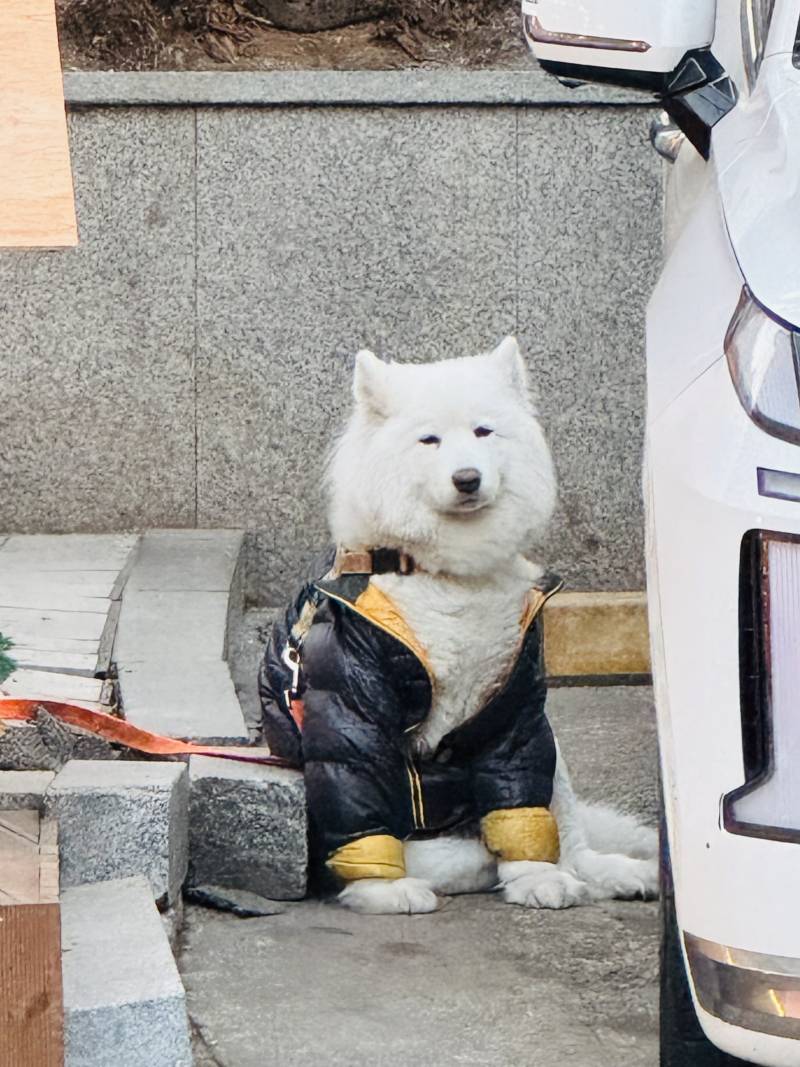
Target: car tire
{"type": "Point", "coordinates": [683, 1042]}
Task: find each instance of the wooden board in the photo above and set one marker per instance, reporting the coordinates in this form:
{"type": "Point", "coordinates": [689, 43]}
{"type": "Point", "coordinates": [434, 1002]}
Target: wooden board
{"type": "Point", "coordinates": [25, 625]}
{"type": "Point", "coordinates": [88, 583]}
{"type": "Point", "coordinates": [50, 685]}
{"type": "Point", "coordinates": [31, 1000]}
{"type": "Point", "coordinates": [37, 206]}
{"type": "Point", "coordinates": [65, 662]}
{"type": "Point", "coordinates": [59, 600]}
{"type": "Point", "coordinates": [31, 996]}
{"type": "Point", "coordinates": [19, 857]}
{"type": "Point", "coordinates": [28, 858]}
{"type": "Point", "coordinates": [68, 552]}
{"type": "Point", "coordinates": [24, 593]}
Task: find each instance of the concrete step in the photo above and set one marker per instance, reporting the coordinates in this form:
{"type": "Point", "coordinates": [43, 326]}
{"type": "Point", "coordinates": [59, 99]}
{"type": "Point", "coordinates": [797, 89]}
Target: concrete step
{"type": "Point", "coordinates": [124, 1002]}
{"type": "Point", "coordinates": [24, 789]}
{"type": "Point", "coordinates": [122, 818]}
{"type": "Point", "coordinates": [172, 638]}
{"type": "Point", "coordinates": [247, 828]}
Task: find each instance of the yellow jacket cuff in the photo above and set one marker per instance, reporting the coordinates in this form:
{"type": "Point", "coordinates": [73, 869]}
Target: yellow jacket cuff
{"type": "Point", "coordinates": [521, 834]}
{"type": "Point", "coordinates": [376, 856]}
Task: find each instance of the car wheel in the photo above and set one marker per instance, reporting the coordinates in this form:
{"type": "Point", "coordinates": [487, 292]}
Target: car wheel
{"type": "Point", "coordinates": [683, 1042]}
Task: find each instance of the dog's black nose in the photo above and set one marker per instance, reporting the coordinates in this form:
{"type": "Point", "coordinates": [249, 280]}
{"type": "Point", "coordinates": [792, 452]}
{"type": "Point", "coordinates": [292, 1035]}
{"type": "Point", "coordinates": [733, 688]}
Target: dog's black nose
{"type": "Point", "coordinates": [467, 480]}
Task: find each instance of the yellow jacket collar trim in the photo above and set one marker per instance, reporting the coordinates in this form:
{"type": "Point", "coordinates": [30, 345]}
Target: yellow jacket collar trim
{"type": "Point", "coordinates": [380, 609]}
{"type": "Point", "coordinates": [535, 600]}
{"type": "Point", "coordinates": [376, 856]}
{"type": "Point", "coordinates": [521, 834]}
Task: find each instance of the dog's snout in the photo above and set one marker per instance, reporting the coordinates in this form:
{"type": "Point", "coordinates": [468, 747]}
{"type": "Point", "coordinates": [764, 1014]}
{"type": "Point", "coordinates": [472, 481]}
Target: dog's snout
{"type": "Point", "coordinates": [467, 480]}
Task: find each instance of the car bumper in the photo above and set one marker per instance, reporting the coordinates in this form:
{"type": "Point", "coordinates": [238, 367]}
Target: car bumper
{"type": "Point", "coordinates": [734, 890]}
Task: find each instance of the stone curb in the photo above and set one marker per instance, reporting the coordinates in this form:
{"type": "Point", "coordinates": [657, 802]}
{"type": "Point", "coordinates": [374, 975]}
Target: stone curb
{"type": "Point", "coordinates": [247, 828]}
{"type": "Point", "coordinates": [124, 1002]}
{"type": "Point", "coordinates": [341, 88]}
{"type": "Point", "coordinates": [597, 636]}
{"type": "Point", "coordinates": [24, 789]}
{"type": "Point", "coordinates": [122, 818]}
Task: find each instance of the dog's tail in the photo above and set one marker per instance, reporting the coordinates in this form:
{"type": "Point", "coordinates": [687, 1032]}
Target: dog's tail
{"type": "Point", "coordinates": [608, 830]}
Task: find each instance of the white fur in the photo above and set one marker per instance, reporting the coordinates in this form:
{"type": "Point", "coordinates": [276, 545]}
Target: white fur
{"type": "Point", "coordinates": [379, 896]}
{"type": "Point", "coordinates": [452, 864]}
{"type": "Point", "coordinates": [388, 488]}
{"type": "Point", "coordinates": [466, 647]}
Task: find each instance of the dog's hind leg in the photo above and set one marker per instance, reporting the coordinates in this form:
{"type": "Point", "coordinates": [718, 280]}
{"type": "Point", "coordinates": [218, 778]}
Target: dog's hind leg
{"type": "Point", "coordinates": [608, 830]}
{"type": "Point", "coordinates": [451, 864]}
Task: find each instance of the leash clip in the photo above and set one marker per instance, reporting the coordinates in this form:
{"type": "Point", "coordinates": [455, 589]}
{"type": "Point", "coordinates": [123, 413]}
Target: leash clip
{"type": "Point", "coordinates": [291, 657]}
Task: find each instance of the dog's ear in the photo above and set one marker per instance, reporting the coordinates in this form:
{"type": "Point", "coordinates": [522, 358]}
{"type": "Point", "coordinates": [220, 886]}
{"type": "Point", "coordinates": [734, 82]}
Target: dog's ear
{"type": "Point", "coordinates": [512, 366]}
{"type": "Point", "coordinates": [370, 387]}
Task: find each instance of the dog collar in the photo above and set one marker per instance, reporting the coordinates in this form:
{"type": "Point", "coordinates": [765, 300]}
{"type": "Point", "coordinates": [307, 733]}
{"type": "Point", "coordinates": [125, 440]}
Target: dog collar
{"type": "Point", "coordinates": [374, 561]}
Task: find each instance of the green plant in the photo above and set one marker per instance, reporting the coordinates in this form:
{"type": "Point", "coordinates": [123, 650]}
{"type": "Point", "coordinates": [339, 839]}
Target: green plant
{"type": "Point", "coordinates": [7, 664]}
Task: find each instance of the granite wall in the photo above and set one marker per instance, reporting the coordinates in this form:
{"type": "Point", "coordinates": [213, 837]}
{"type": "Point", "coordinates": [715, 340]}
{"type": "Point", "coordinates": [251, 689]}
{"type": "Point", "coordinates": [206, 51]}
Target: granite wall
{"type": "Point", "coordinates": [187, 364]}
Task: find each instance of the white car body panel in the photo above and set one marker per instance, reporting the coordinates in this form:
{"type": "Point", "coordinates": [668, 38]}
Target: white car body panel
{"type": "Point", "coordinates": [731, 222]}
{"type": "Point", "coordinates": [739, 221]}
{"type": "Point", "coordinates": [756, 156]}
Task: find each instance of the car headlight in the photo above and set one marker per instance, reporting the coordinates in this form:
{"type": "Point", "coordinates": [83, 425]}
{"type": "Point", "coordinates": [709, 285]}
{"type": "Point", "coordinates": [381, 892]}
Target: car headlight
{"type": "Point", "coordinates": [764, 361]}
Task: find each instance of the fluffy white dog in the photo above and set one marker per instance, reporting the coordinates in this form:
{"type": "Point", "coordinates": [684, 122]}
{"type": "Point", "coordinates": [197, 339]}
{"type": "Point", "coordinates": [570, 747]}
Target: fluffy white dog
{"type": "Point", "coordinates": [447, 464]}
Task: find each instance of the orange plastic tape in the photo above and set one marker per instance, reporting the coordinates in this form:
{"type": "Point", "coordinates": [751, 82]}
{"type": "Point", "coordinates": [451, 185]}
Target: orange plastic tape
{"type": "Point", "coordinates": [125, 733]}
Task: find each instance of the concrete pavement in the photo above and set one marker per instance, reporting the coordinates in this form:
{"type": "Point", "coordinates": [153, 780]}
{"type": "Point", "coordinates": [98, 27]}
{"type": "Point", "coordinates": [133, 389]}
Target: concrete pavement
{"type": "Point", "coordinates": [478, 983]}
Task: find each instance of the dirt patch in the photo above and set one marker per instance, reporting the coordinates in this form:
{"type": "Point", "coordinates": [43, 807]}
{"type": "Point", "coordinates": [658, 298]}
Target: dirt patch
{"type": "Point", "coordinates": [237, 35]}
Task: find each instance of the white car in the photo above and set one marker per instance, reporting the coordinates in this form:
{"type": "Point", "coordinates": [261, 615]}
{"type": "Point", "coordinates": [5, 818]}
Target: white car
{"type": "Point", "coordinates": [722, 494]}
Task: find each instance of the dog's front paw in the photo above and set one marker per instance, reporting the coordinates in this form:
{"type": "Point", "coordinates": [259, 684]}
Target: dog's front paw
{"type": "Point", "coordinates": [618, 877]}
{"type": "Point", "coordinates": [541, 885]}
{"type": "Point", "coordinates": [381, 896]}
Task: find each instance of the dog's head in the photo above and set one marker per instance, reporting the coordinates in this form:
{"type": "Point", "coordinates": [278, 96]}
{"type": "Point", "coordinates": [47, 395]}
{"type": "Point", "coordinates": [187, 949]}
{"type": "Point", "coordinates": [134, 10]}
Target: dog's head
{"type": "Point", "coordinates": [444, 460]}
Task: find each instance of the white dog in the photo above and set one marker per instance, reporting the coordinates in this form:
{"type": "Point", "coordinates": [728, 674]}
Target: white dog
{"type": "Point", "coordinates": [447, 464]}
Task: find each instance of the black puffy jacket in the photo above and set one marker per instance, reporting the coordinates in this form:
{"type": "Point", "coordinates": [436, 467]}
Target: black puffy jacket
{"type": "Point", "coordinates": [365, 685]}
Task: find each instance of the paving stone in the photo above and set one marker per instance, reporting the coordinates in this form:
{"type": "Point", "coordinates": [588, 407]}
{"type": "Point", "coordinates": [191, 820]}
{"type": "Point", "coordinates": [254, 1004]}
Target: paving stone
{"type": "Point", "coordinates": [124, 1002]}
{"type": "Point", "coordinates": [24, 789]}
{"type": "Point", "coordinates": [195, 701]}
{"type": "Point", "coordinates": [122, 818]}
{"type": "Point", "coordinates": [66, 552]}
{"type": "Point", "coordinates": [247, 828]}
{"type": "Point", "coordinates": [172, 636]}
{"type": "Point", "coordinates": [171, 626]}
{"type": "Point", "coordinates": [173, 560]}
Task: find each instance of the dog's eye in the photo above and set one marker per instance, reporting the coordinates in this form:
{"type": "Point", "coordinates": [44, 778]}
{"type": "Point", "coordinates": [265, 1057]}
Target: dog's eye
{"type": "Point", "coordinates": [483, 431]}
{"type": "Point", "coordinates": [430, 439]}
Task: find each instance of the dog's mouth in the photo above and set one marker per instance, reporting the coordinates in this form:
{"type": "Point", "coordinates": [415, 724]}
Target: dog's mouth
{"type": "Point", "coordinates": [469, 505]}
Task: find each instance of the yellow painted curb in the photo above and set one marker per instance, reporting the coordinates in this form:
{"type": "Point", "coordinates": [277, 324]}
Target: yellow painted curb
{"type": "Point", "coordinates": [596, 634]}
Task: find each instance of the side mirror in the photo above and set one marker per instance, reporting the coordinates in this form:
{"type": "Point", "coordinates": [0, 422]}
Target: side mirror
{"type": "Point", "coordinates": [658, 46]}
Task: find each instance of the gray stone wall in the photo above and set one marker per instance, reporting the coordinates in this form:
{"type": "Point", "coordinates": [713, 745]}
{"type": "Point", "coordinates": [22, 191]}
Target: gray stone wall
{"type": "Point", "coordinates": [189, 362]}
